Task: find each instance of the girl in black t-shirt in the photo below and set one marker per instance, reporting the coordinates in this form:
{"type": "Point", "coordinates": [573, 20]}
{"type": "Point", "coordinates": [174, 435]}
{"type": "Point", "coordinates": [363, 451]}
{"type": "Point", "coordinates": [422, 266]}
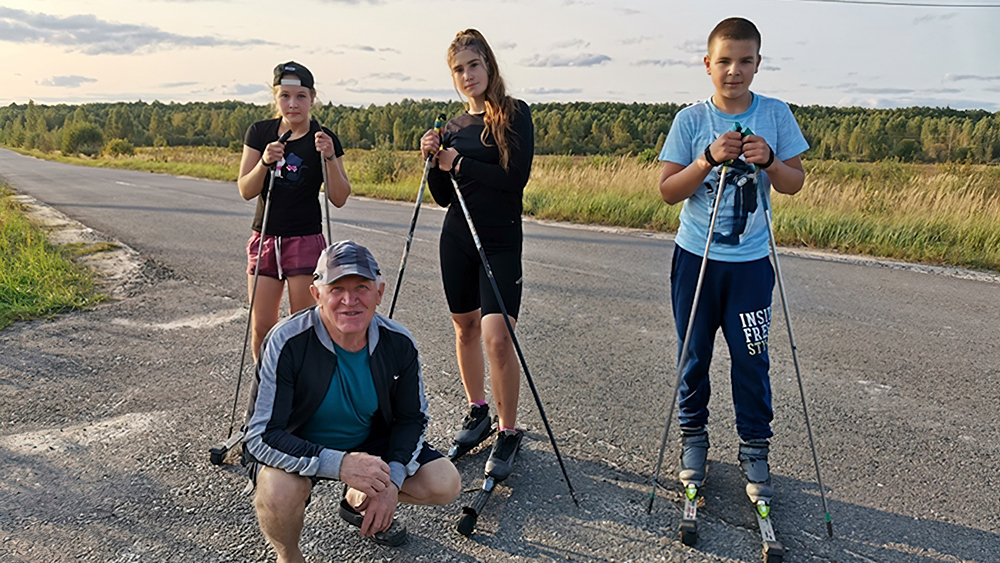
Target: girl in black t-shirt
{"type": "Point", "coordinates": [488, 150]}
{"type": "Point", "coordinates": [294, 238]}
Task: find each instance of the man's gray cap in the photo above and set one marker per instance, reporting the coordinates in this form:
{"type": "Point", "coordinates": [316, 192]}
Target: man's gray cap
{"type": "Point", "coordinates": [345, 258]}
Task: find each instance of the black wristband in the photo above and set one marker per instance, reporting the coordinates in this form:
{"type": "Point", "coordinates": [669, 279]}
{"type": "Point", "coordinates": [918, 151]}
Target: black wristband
{"type": "Point", "coordinates": [264, 162]}
{"type": "Point", "coordinates": [770, 159]}
{"type": "Point", "coordinates": [708, 156]}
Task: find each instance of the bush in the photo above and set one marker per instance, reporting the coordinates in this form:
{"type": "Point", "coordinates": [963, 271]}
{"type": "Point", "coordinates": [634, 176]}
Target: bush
{"type": "Point", "coordinates": [82, 137]}
{"type": "Point", "coordinates": [236, 146]}
{"type": "Point", "coordinates": [647, 156]}
{"type": "Point", "coordinates": [380, 165]}
{"type": "Point", "coordinates": [159, 141]}
{"type": "Point", "coordinates": [119, 147]}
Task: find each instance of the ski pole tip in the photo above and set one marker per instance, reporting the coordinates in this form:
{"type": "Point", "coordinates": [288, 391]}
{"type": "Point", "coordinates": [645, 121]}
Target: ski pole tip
{"type": "Point", "coordinates": [829, 526]}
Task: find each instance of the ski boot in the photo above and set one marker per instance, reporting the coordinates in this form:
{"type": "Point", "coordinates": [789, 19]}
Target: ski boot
{"type": "Point", "coordinates": [694, 455]}
{"type": "Point", "coordinates": [395, 536]}
{"type": "Point", "coordinates": [476, 427]}
{"type": "Point", "coordinates": [501, 461]}
{"type": "Point", "coordinates": [753, 464]}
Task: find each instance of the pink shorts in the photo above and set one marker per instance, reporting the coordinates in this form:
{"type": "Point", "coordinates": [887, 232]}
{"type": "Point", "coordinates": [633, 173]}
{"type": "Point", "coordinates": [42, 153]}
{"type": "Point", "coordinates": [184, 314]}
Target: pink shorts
{"type": "Point", "coordinates": [284, 257]}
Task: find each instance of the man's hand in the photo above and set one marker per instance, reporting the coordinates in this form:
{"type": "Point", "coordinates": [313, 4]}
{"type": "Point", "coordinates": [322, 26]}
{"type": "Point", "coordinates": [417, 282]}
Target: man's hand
{"type": "Point", "coordinates": [379, 510]}
{"type": "Point", "coordinates": [365, 473]}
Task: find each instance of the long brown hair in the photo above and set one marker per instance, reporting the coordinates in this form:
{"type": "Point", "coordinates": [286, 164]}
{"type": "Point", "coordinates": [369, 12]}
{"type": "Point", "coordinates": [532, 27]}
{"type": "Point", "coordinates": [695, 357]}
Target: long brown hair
{"type": "Point", "coordinates": [500, 107]}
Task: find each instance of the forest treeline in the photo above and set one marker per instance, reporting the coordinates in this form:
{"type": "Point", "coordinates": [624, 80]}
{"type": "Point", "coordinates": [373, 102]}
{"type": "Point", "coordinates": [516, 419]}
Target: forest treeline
{"type": "Point", "coordinates": [915, 134]}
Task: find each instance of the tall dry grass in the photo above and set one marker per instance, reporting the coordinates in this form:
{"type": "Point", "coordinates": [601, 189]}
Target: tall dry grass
{"type": "Point", "coordinates": [617, 191]}
{"type": "Point", "coordinates": [936, 214]}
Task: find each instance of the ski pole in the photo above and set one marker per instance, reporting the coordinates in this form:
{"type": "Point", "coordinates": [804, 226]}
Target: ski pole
{"type": "Point", "coordinates": [687, 335]}
{"type": "Point", "coordinates": [795, 355]}
{"type": "Point", "coordinates": [326, 188]}
{"type": "Point", "coordinates": [438, 124]}
{"type": "Point", "coordinates": [510, 329]}
{"type": "Point", "coordinates": [218, 452]}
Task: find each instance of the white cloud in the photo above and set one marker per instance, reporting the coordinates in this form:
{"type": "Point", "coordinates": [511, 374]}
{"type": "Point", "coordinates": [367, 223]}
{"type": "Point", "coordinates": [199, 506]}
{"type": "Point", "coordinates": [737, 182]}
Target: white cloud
{"type": "Point", "coordinates": [552, 91]}
{"type": "Point", "coordinates": [66, 81]}
{"type": "Point", "coordinates": [667, 62]}
{"type": "Point", "coordinates": [959, 77]}
{"type": "Point", "coordinates": [92, 36]}
{"type": "Point", "coordinates": [693, 47]}
{"type": "Point", "coordinates": [555, 60]}
{"type": "Point", "coordinates": [571, 44]}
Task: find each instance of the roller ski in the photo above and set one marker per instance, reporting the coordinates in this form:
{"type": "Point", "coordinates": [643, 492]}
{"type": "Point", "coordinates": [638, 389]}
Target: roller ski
{"type": "Point", "coordinates": [476, 428]}
{"type": "Point", "coordinates": [753, 464]}
{"type": "Point", "coordinates": [694, 456]}
{"type": "Point", "coordinates": [498, 467]}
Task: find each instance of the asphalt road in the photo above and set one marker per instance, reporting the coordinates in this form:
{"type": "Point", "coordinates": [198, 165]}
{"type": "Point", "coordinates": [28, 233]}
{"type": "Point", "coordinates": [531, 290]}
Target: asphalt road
{"type": "Point", "coordinates": [107, 415]}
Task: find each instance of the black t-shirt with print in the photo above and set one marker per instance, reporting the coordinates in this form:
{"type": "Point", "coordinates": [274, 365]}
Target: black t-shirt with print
{"type": "Point", "coordinates": [295, 207]}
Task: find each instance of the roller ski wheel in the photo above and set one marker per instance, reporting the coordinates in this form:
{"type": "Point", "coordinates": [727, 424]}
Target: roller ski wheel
{"type": "Point", "coordinates": [773, 553]}
{"type": "Point", "coordinates": [467, 524]}
{"type": "Point", "coordinates": [217, 456]}
{"type": "Point", "coordinates": [217, 453]}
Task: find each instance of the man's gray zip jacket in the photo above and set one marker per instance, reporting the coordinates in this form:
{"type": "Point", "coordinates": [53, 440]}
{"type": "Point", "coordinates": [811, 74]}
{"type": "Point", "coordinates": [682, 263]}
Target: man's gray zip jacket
{"type": "Point", "coordinates": [293, 375]}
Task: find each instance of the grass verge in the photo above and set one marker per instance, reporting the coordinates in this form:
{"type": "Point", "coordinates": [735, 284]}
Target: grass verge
{"type": "Point", "coordinates": [36, 278]}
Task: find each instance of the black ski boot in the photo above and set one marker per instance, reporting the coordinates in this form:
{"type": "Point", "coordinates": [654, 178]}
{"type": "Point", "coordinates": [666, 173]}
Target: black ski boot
{"type": "Point", "coordinates": [476, 427]}
{"type": "Point", "coordinates": [393, 537]}
{"type": "Point", "coordinates": [501, 461]}
{"type": "Point", "coordinates": [753, 463]}
{"type": "Point", "coordinates": [694, 455]}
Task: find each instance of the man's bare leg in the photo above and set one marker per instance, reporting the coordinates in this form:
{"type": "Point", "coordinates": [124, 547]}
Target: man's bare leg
{"type": "Point", "coordinates": [280, 502]}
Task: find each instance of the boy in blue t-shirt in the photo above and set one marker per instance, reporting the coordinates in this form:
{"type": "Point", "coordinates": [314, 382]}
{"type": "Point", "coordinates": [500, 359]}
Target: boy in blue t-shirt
{"type": "Point", "coordinates": [739, 279]}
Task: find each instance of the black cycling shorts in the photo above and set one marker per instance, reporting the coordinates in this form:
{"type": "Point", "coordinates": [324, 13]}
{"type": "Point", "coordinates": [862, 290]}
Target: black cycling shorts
{"type": "Point", "coordinates": [466, 286]}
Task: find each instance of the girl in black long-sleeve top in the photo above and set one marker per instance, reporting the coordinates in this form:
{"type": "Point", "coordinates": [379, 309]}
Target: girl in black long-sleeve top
{"type": "Point", "coordinates": [488, 150]}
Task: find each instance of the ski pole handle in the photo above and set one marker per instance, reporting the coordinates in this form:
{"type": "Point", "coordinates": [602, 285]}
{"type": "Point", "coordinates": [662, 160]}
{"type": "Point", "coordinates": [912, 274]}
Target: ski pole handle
{"type": "Point", "coordinates": [438, 126]}
{"type": "Point", "coordinates": [276, 166]}
{"type": "Point", "coordinates": [439, 123]}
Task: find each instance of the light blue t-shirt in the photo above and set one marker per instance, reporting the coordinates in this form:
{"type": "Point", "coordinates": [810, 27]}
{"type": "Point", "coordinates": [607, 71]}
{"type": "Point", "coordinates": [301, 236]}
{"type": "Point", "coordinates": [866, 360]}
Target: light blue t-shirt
{"type": "Point", "coordinates": [344, 418]}
{"type": "Point", "coordinates": [740, 233]}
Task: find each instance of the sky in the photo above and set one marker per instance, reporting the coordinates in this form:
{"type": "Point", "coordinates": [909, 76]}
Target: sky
{"type": "Point", "coordinates": [877, 53]}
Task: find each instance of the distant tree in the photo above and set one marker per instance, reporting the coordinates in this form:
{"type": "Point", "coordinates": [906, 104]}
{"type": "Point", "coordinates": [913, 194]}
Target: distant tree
{"type": "Point", "coordinates": [82, 137]}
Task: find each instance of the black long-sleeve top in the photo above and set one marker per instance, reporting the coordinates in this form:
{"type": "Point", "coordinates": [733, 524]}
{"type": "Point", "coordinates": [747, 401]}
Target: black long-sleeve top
{"type": "Point", "coordinates": [493, 195]}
